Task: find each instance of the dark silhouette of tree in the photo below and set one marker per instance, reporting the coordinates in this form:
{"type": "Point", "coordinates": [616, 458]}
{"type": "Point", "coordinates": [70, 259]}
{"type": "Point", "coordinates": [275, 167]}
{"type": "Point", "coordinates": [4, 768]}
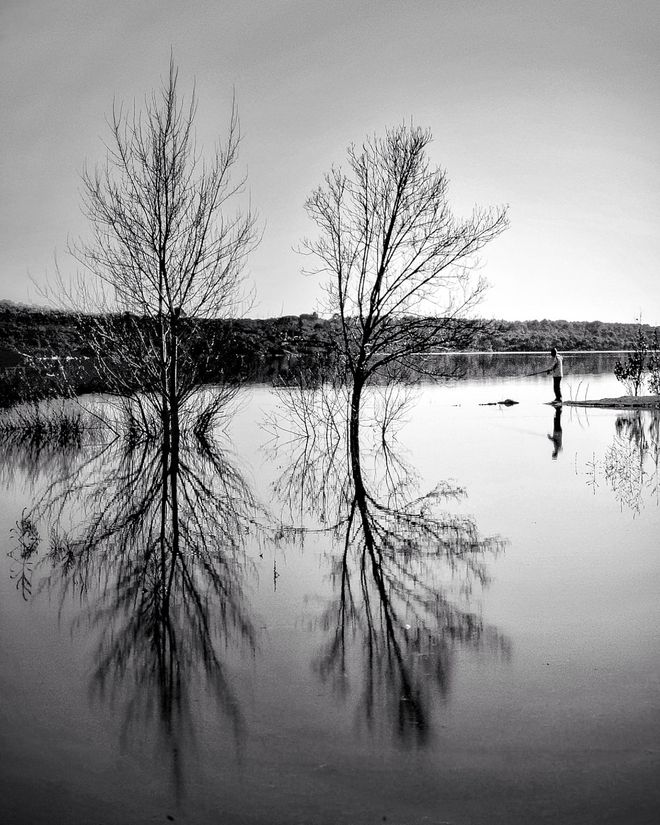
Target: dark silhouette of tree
{"type": "Point", "coordinates": [399, 263]}
{"type": "Point", "coordinates": [164, 248]}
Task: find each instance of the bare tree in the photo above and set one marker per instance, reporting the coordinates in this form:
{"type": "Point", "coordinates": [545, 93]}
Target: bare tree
{"type": "Point", "coordinates": [400, 265]}
{"type": "Point", "coordinates": [162, 241]}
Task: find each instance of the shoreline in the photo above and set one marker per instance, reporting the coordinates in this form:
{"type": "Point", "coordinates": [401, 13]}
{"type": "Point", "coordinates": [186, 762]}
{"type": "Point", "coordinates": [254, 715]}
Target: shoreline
{"type": "Point", "coordinates": [627, 402]}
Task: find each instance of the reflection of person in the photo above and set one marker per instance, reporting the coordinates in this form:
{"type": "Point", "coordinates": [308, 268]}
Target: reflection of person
{"type": "Point", "coordinates": [557, 435]}
{"type": "Point", "coordinates": [557, 370]}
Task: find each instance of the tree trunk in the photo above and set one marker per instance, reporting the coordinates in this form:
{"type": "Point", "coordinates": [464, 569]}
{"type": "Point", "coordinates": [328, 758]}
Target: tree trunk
{"type": "Point", "coordinates": [354, 436]}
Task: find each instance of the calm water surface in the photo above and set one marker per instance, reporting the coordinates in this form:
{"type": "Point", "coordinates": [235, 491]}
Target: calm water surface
{"type": "Point", "coordinates": [303, 682]}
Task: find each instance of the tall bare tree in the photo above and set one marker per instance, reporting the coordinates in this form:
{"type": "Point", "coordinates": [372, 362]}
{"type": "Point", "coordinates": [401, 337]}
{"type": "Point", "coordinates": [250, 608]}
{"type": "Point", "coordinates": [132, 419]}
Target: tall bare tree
{"type": "Point", "coordinates": [400, 265]}
{"type": "Point", "coordinates": [162, 239]}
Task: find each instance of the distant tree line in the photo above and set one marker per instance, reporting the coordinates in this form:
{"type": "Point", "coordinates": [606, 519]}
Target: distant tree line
{"type": "Point", "coordinates": [47, 352]}
{"type": "Point", "coordinates": [519, 336]}
{"type": "Point", "coordinates": [45, 332]}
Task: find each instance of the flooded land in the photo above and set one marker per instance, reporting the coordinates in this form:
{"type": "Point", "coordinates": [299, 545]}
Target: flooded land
{"type": "Point", "coordinates": [446, 614]}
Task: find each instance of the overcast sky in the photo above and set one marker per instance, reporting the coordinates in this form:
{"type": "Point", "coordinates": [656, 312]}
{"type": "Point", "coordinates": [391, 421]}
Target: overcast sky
{"type": "Point", "coordinates": [550, 106]}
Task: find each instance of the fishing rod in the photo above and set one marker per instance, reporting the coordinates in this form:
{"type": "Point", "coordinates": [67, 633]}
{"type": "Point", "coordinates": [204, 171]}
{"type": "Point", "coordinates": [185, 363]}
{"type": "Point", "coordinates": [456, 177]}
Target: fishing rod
{"type": "Point", "coordinates": [525, 375]}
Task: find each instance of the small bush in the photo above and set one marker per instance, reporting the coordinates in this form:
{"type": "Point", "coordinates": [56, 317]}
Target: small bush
{"type": "Point", "coordinates": [654, 367]}
{"type": "Point", "coordinates": [631, 371]}
{"type": "Point", "coordinates": [47, 421]}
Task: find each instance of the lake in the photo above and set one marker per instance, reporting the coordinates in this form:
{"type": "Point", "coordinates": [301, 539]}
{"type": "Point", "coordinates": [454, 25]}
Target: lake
{"type": "Point", "coordinates": [474, 640]}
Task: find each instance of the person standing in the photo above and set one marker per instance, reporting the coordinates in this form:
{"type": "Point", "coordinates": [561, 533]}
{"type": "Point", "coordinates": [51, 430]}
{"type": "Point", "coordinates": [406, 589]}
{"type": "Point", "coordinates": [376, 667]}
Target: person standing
{"type": "Point", "coordinates": [557, 370]}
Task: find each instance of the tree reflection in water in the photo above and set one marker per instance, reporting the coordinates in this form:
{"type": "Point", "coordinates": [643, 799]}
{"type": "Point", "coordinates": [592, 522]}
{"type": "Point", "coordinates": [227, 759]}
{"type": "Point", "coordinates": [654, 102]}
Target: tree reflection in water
{"type": "Point", "coordinates": [632, 460]}
{"type": "Point", "coordinates": [398, 556]}
{"type": "Point", "coordinates": [150, 536]}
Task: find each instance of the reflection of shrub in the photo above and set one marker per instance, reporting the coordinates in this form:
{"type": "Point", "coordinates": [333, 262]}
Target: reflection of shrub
{"type": "Point", "coordinates": [46, 422]}
{"type": "Point", "coordinates": [632, 461]}
{"type": "Point", "coordinates": [631, 371]}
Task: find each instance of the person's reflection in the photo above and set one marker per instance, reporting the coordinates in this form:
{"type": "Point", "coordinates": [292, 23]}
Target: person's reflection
{"type": "Point", "coordinates": [557, 436]}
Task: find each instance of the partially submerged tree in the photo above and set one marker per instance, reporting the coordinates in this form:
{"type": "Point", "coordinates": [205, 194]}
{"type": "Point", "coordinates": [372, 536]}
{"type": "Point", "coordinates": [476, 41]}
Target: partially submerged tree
{"type": "Point", "coordinates": [162, 242]}
{"type": "Point", "coordinates": [400, 265]}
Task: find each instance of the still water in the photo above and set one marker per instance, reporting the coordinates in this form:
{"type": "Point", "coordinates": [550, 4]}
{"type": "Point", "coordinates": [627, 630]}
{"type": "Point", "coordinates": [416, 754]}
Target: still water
{"type": "Point", "coordinates": [473, 641]}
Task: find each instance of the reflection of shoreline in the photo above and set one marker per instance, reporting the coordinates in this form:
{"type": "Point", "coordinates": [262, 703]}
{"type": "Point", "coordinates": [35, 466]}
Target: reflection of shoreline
{"type": "Point", "coordinates": [520, 364]}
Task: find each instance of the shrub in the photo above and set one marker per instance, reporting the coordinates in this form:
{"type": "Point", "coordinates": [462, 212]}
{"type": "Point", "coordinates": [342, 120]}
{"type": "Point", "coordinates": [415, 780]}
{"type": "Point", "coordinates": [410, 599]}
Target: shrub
{"type": "Point", "coordinates": [654, 367]}
{"type": "Point", "coordinates": [631, 371]}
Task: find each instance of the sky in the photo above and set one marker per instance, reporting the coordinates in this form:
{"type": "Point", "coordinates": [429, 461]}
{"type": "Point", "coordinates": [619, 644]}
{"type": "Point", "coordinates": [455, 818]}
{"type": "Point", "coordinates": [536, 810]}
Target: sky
{"type": "Point", "coordinates": [549, 106]}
